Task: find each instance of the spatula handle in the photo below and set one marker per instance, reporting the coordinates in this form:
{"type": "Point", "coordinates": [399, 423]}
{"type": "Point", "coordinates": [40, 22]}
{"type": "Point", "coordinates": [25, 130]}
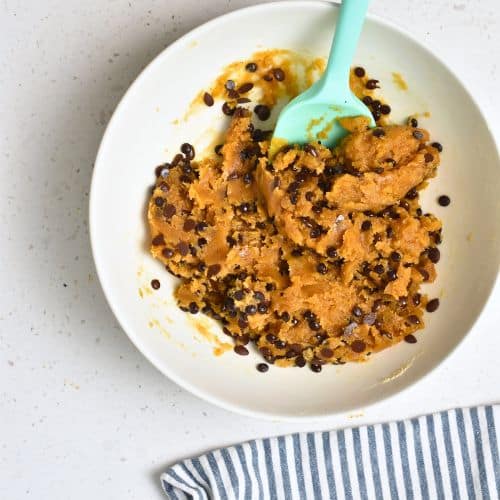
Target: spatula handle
{"type": "Point", "coordinates": [345, 40]}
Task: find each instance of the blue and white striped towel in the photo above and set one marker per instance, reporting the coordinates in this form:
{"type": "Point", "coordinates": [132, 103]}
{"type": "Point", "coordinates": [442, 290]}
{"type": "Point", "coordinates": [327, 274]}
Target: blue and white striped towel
{"type": "Point", "coordinates": [448, 455]}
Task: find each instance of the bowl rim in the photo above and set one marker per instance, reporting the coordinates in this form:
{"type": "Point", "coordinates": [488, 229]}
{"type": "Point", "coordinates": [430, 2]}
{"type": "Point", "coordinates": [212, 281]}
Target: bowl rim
{"type": "Point", "coordinates": [93, 217]}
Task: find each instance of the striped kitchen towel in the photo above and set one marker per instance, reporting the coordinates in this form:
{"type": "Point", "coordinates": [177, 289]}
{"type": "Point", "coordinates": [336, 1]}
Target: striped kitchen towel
{"type": "Point", "coordinates": [448, 455]}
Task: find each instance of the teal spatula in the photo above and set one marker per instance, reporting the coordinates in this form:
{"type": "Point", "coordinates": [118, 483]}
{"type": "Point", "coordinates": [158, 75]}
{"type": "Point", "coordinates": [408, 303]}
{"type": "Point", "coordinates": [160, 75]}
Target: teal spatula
{"type": "Point", "coordinates": [314, 114]}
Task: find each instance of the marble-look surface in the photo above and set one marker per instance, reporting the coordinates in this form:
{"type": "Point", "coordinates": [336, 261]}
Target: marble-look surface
{"type": "Point", "coordinates": [82, 413]}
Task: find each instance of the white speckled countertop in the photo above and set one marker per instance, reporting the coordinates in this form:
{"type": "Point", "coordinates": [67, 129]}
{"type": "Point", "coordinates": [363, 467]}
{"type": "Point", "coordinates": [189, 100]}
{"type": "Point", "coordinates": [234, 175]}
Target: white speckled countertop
{"type": "Point", "coordinates": [82, 413]}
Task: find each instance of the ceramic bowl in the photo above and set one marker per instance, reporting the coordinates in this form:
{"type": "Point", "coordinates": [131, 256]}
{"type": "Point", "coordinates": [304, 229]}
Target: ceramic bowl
{"type": "Point", "coordinates": [143, 133]}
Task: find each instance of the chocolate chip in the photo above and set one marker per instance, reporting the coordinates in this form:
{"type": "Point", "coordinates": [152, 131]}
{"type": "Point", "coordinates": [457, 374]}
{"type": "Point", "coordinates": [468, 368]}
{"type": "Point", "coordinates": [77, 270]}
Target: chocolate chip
{"type": "Point", "coordinates": [241, 350]}
{"type": "Point", "coordinates": [432, 305]}
{"type": "Point", "coordinates": [163, 170]}
{"type": "Point", "coordinates": [189, 225]}
{"type": "Point", "coordinates": [155, 284]}
{"type": "Point", "coordinates": [308, 314]}
{"type": "Point", "coordinates": [391, 275]}
{"type": "Point", "coordinates": [279, 74]}
{"type": "Point", "coordinates": [294, 322]}
{"type": "Point", "coordinates": [376, 105]}
{"type": "Point", "coordinates": [208, 99]}
{"type": "Point", "coordinates": [193, 308]}
{"type": "Point", "coordinates": [379, 268]}
{"type": "Point", "coordinates": [159, 201]}
{"type": "Point", "coordinates": [262, 367]}
{"type": "Point", "coordinates": [178, 159]}
{"type": "Point", "coordinates": [187, 169]}
{"type": "Point", "coordinates": [404, 204]}
{"type": "Point", "coordinates": [284, 268]}
{"type": "Point", "coordinates": [158, 240]}
{"type": "Point", "coordinates": [367, 100]}
{"type": "Point", "coordinates": [385, 109]}
{"type": "Point", "coordinates": [300, 361]}
{"type": "Point", "coordinates": [315, 367]}
{"type": "Point", "coordinates": [213, 270]}
{"type": "Point", "coordinates": [331, 252]}
{"type": "Point", "coordinates": [244, 208]}
{"type": "Point", "coordinates": [311, 150]}
{"type": "Point", "coordinates": [410, 339]}
{"type": "Point", "coordinates": [271, 338]}
{"type": "Point", "coordinates": [366, 225]}
{"type": "Point", "coordinates": [244, 339]}
{"type": "Point", "coordinates": [262, 111]}
{"type": "Point", "coordinates": [359, 71]}
{"type": "Point", "coordinates": [434, 254]}
{"type": "Point", "coordinates": [376, 115]}
{"type": "Point", "coordinates": [322, 268]}
{"type": "Point", "coordinates": [378, 132]}
{"type": "Point", "coordinates": [411, 194]}
{"type": "Point", "coordinates": [262, 308]}
{"type": "Point", "coordinates": [218, 149]}
{"type": "Point", "coordinates": [268, 77]}
{"type": "Point", "coordinates": [369, 319]}
{"type": "Point", "coordinates": [251, 309]}
{"type": "Point", "coordinates": [167, 253]}
{"type": "Point", "coordinates": [242, 323]}
{"type": "Point", "coordinates": [357, 311]}
{"type": "Point", "coordinates": [258, 135]}
{"type": "Point", "coordinates": [358, 346]}
{"type": "Point", "coordinates": [188, 151]}
{"type": "Point", "coordinates": [315, 232]}
{"type": "Point", "coordinates": [314, 325]}
{"type": "Point", "coordinates": [246, 87]}
{"type": "Point", "coordinates": [395, 256]}
{"type": "Point", "coordinates": [412, 122]}
{"type": "Point", "coordinates": [438, 146]}
{"type": "Point", "coordinates": [183, 248]}
{"type": "Point", "coordinates": [377, 305]}
{"type": "Point", "coordinates": [202, 242]}
{"type": "Point", "coordinates": [227, 109]}
{"type": "Point", "coordinates": [326, 352]}
{"type": "Point", "coordinates": [230, 85]}
{"type": "Point", "coordinates": [280, 344]}
{"type": "Point", "coordinates": [169, 211]}
{"type": "Point", "coordinates": [416, 299]}
{"type": "Point", "coordinates": [428, 157]}
{"type": "Point", "coordinates": [389, 232]}
{"type": "Point", "coordinates": [444, 200]}
{"type": "Point", "coordinates": [371, 84]}
{"type": "Point", "coordinates": [418, 134]}
{"type": "Point", "coordinates": [228, 304]}
{"type": "Point", "coordinates": [415, 320]}
{"type": "Point", "coordinates": [251, 67]}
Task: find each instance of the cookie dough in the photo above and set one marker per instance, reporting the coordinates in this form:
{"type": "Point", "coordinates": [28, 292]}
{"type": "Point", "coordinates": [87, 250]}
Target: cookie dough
{"type": "Point", "coordinates": [316, 257]}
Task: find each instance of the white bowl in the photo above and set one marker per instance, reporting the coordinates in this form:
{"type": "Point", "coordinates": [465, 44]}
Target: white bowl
{"type": "Point", "coordinates": [141, 135]}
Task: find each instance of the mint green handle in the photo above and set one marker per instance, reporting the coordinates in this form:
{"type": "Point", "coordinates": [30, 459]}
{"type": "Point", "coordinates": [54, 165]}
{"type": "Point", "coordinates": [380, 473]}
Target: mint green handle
{"type": "Point", "coordinates": [348, 29]}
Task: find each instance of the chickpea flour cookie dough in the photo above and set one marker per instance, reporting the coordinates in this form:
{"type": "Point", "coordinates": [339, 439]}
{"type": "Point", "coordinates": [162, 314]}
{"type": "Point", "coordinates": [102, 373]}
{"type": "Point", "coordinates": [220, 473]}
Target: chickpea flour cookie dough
{"type": "Point", "coordinates": [316, 257]}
